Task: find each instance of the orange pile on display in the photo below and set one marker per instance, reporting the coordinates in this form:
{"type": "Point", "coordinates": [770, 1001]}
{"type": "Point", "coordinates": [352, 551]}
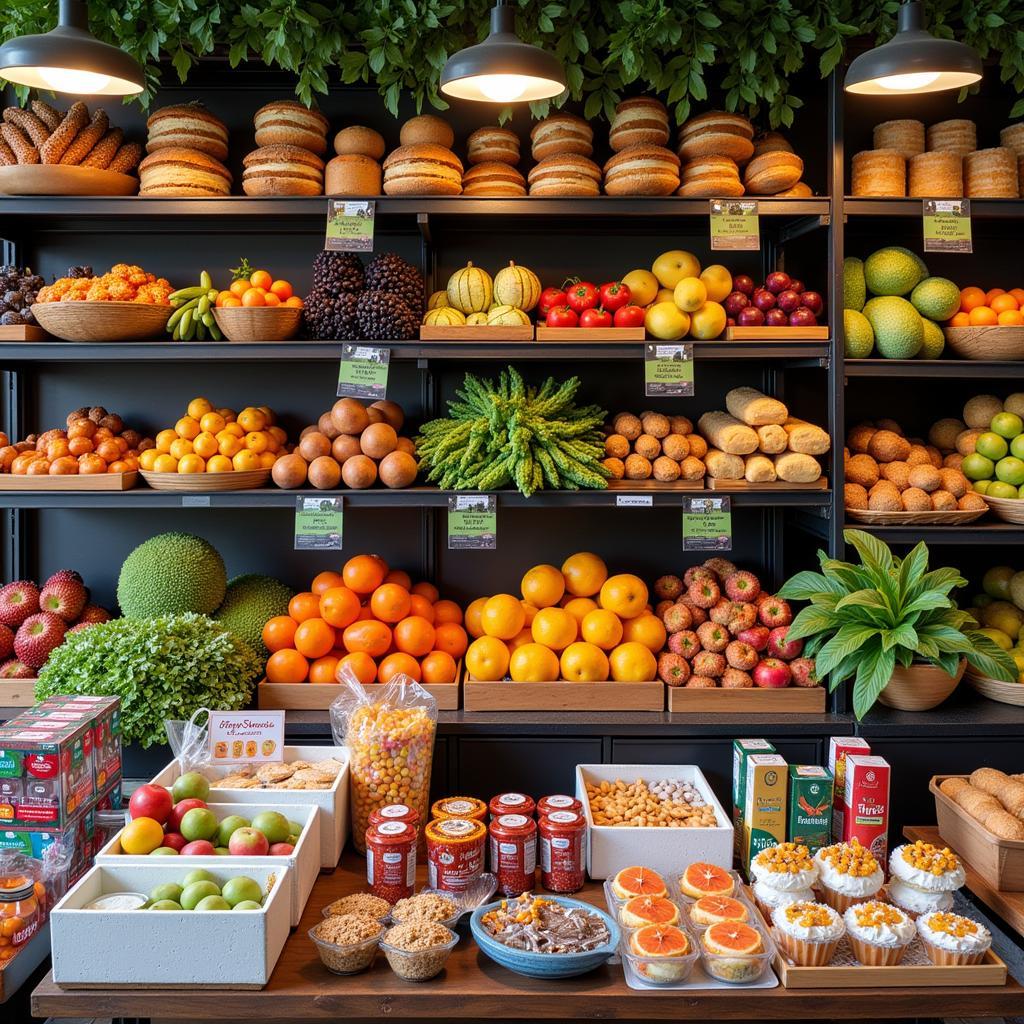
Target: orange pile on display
{"type": "Point", "coordinates": [993, 308]}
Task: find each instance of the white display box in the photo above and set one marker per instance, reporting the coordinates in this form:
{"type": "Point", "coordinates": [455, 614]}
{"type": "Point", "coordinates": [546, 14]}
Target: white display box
{"type": "Point", "coordinates": [333, 802]}
{"type": "Point", "coordinates": [304, 860]}
{"type": "Point", "coordinates": [166, 948]}
{"type": "Point", "coordinates": [667, 850]}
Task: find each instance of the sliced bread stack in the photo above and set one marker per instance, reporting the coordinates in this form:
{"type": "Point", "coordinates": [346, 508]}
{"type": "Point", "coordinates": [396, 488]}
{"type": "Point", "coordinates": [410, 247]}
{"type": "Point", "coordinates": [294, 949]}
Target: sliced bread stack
{"type": "Point", "coordinates": [291, 141]}
{"type": "Point", "coordinates": [562, 145]}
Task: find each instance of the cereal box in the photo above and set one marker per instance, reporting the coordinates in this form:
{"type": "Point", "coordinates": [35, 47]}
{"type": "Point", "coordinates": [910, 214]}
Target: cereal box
{"type": "Point", "coordinates": [764, 806]}
{"type": "Point", "coordinates": [838, 748]}
{"type": "Point", "coordinates": [740, 751]}
{"type": "Point", "coordinates": [810, 806]}
{"type": "Point", "coordinates": [866, 803]}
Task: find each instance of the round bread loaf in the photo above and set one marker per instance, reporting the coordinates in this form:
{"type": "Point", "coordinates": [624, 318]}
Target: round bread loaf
{"type": "Point", "coordinates": [642, 170]}
{"type": "Point", "coordinates": [187, 126]}
{"type": "Point", "coordinates": [181, 172]}
{"type": "Point", "coordinates": [422, 169]}
{"type": "Point", "coordinates": [568, 174]}
{"type": "Point", "coordinates": [935, 175]}
{"type": "Point", "coordinates": [716, 134]}
{"type": "Point", "coordinates": [906, 136]}
{"type": "Point", "coordinates": [801, 190]}
{"type": "Point", "coordinates": [356, 140]}
{"type": "Point", "coordinates": [771, 142]}
{"type": "Point", "coordinates": [991, 174]}
{"type": "Point", "coordinates": [955, 136]}
{"type": "Point", "coordinates": [639, 121]}
{"type": "Point", "coordinates": [711, 177]}
{"type": "Point", "coordinates": [427, 130]}
{"type": "Point", "coordinates": [352, 174]}
{"type": "Point", "coordinates": [493, 179]}
{"type": "Point", "coordinates": [561, 134]}
{"type": "Point", "coordinates": [772, 172]}
{"type": "Point", "coordinates": [493, 145]}
{"type": "Point", "coordinates": [878, 172]}
{"type": "Point", "coordinates": [1012, 137]}
{"type": "Point", "coordinates": [288, 123]}
{"type": "Point", "coordinates": [282, 171]}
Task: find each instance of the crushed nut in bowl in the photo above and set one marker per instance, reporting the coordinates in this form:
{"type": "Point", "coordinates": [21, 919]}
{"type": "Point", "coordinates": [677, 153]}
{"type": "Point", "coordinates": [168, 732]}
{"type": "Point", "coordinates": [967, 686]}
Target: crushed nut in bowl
{"type": "Point", "coordinates": [359, 903]}
{"type": "Point", "coordinates": [418, 950]}
{"type": "Point", "coordinates": [427, 906]}
{"type": "Point", "coordinates": [347, 943]}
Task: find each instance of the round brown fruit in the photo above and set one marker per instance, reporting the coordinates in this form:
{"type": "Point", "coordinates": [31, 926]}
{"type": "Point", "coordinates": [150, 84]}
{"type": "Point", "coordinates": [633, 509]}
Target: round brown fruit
{"type": "Point", "coordinates": [312, 446]}
{"type": "Point", "coordinates": [406, 444]}
{"type": "Point", "coordinates": [391, 411]}
{"type": "Point", "coordinates": [311, 429]}
{"type": "Point", "coordinates": [289, 471]}
{"type": "Point", "coordinates": [324, 473]}
{"type": "Point", "coordinates": [325, 425]}
{"type": "Point", "coordinates": [113, 423]}
{"type": "Point", "coordinates": [378, 440]}
{"type": "Point", "coordinates": [376, 416]}
{"type": "Point", "coordinates": [359, 472]}
{"type": "Point", "coordinates": [350, 416]}
{"type": "Point", "coordinates": [398, 469]}
{"type": "Point", "coordinates": [344, 447]}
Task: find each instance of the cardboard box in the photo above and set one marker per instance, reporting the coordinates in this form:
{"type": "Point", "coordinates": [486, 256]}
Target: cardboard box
{"type": "Point", "coordinates": [810, 806]}
{"type": "Point", "coordinates": [764, 805]}
{"type": "Point", "coordinates": [741, 749]}
{"type": "Point", "coordinates": [866, 804]}
{"type": "Point", "coordinates": [838, 749]}
{"type": "Point", "coordinates": [80, 834]}
{"type": "Point", "coordinates": [104, 716]}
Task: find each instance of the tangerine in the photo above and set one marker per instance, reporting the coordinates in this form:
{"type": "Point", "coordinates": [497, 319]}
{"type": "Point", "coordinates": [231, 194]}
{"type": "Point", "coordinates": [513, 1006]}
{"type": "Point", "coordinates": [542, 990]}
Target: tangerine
{"type": "Point", "coordinates": [533, 663]}
{"type": "Point", "coordinates": [584, 574]}
{"type": "Point", "coordinates": [584, 663]}
{"type": "Point", "coordinates": [141, 836]}
{"type": "Point", "coordinates": [530, 610]}
{"type": "Point", "coordinates": [419, 605]}
{"type": "Point", "coordinates": [446, 611]}
{"type": "Point", "coordinates": [970, 297]}
{"type": "Point", "coordinates": [524, 636]}
{"type": "Point", "coordinates": [543, 586]}
{"type": "Point", "coordinates": [603, 628]}
{"type": "Point", "coordinates": [1004, 302]}
{"type": "Point", "coordinates": [579, 607]}
{"type": "Point", "coordinates": [502, 616]}
{"type": "Point", "coordinates": [415, 635]}
{"type": "Point", "coordinates": [427, 590]}
{"type": "Point", "coordinates": [304, 606]}
{"type": "Point", "coordinates": [451, 638]}
{"type": "Point", "coordinates": [314, 638]}
{"type": "Point", "coordinates": [339, 607]}
{"type": "Point", "coordinates": [647, 629]}
{"type": "Point", "coordinates": [282, 289]}
{"type": "Point", "coordinates": [287, 666]}
{"type": "Point", "coordinates": [1011, 318]}
{"type": "Point", "coordinates": [239, 288]}
{"type": "Point", "coordinates": [993, 293]}
{"type": "Point", "coordinates": [1018, 294]}
{"type": "Point", "coordinates": [625, 594]}
{"type": "Point", "coordinates": [554, 627]}
{"type": "Point", "coordinates": [364, 573]}
{"type": "Point", "coordinates": [360, 664]}
{"type": "Point", "coordinates": [396, 664]}
{"type": "Point", "coordinates": [474, 617]}
{"type": "Point", "coordinates": [390, 602]}
{"type": "Point", "coordinates": [399, 576]}
{"type": "Point", "coordinates": [261, 279]}
{"type": "Point", "coordinates": [323, 670]}
{"type": "Point", "coordinates": [960, 319]}
{"type": "Point", "coordinates": [487, 659]}
{"type": "Point", "coordinates": [252, 297]}
{"type": "Point", "coordinates": [982, 316]}
{"type": "Point", "coordinates": [323, 581]}
{"type": "Point", "coordinates": [369, 636]}
{"type": "Point", "coordinates": [279, 632]}
{"type": "Point", "coordinates": [632, 663]}
{"type": "Point", "coordinates": [439, 667]}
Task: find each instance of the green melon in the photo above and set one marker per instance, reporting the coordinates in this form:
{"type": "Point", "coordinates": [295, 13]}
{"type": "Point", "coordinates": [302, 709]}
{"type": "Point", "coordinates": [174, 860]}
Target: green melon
{"type": "Point", "coordinates": [854, 288]}
{"type": "Point", "coordinates": [936, 298]}
{"type": "Point", "coordinates": [893, 271]}
{"type": "Point", "coordinates": [860, 338]}
{"type": "Point", "coordinates": [898, 327]}
{"type": "Point", "coordinates": [934, 340]}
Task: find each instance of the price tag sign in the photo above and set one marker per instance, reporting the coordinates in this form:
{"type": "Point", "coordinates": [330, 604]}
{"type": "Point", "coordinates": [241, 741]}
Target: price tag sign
{"type": "Point", "coordinates": [472, 522]}
{"type": "Point", "coordinates": [668, 371]}
{"type": "Point", "coordinates": [947, 225]}
{"type": "Point", "coordinates": [195, 501]}
{"type": "Point", "coordinates": [734, 224]}
{"type": "Point", "coordinates": [350, 225]}
{"type": "Point", "coordinates": [240, 737]}
{"type": "Point", "coordinates": [634, 500]}
{"type": "Point", "coordinates": [319, 523]}
{"type": "Point", "coordinates": [363, 372]}
{"type": "Point", "coordinates": [707, 524]}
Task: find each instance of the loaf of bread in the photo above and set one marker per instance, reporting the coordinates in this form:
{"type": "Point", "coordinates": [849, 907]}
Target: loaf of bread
{"type": "Point", "coordinates": [755, 408]}
{"type": "Point", "coordinates": [982, 805]}
{"type": "Point", "coordinates": [723, 466]}
{"type": "Point", "coordinates": [806, 438]}
{"type": "Point", "coordinates": [759, 469]}
{"type": "Point", "coordinates": [1009, 792]}
{"type": "Point", "coordinates": [772, 439]}
{"type": "Point", "coordinates": [797, 468]}
{"type": "Point", "coordinates": [728, 433]}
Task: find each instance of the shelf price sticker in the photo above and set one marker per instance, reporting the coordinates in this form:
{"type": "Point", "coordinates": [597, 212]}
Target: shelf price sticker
{"type": "Point", "coordinates": [707, 524]}
{"type": "Point", "coordinates": [472, 522]}
{"type": "Point", "coordinates": [668, 371]}
{"type": "Point", "coordinates": [239, 737]}
{"type": "Point", "coordinates": [735, 224]}
{"type": "Point", "coordinates": [634, 500]}
{"type": "Point", "coordinates": [947, 225]}
{"type": "Point", "coordinates": [319, 523]}
{"type": "Point", "coordinates": [364, 372]}
{"type": "Point", "coordinates": [350, 225]}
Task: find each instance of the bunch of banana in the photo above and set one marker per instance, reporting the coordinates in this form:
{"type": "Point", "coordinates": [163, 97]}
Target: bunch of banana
{"type": "Point", "coordinates": [192, 319]}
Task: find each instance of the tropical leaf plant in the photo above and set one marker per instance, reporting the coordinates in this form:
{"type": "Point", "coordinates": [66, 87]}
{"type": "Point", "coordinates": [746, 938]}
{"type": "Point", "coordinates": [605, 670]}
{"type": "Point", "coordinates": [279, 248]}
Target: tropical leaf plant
{"type": "Point", "coordinates": [864, 620]}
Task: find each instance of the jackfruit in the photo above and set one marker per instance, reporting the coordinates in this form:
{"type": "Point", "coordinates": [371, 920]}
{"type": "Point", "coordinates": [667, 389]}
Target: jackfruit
{"type": "Point", "coordinates": [854, 288]}
{"type": "Point", "coordinates": [249, 602]}
{"type": "Point", "coordinates": [169, 574]}
{"type": "Point", "coordinates": [893, 271]}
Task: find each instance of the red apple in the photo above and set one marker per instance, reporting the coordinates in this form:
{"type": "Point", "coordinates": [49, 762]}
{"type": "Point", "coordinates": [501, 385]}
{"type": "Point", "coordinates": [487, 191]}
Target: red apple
{"type": "Point", "coordinates": [175, 840]}
{"type": "Point", "coordinates": [779, 647]}
{"type": "Point", "coordinates": [281, 849]}
{"type": "Point", "coordinates": [756, 636]}
{"type": "Point", "coordinates": [777, 281]}
{"type": "Point", "coordinates": [803, 672]}
{"type": "Point", "coordinates": [180, 809]}
{"type": "Point", "coordinates": [151, 801]}
{"type": "Point", "coordinates": [796, 285]}
{"type": "Point", "coordinates": [751, 316]}
{"type": "Point", "coordinates": [788, 300]}
{"type": "Point", "coordinates": [763, 299]}
{"type": "Point", "coordinates": [771, 673]}
{"type": "Point", "coordinates": [744, 284]}
{"type": "Point", "coordinates": [775, 318]}
{"type": "Point", "coordinates": [774, 612]}
{"type": "Point", "coordinates": [199, 848]}
{"type": "Point", "coordinates": [802, 317]}
{"type": "Point", "coordinates": [734, 302]}
{"type": "Point", "coordinates": [813, 301]}
{"type": "Point", "coordinates": [248, 842]}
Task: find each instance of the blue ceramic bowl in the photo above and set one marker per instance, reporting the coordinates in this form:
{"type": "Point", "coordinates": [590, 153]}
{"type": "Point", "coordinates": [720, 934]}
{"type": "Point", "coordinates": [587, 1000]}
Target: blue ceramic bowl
{"type": "Point", "coordinates": [545, 965]}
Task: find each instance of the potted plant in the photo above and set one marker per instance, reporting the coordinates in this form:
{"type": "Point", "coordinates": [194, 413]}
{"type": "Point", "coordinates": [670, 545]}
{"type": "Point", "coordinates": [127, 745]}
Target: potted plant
{"type": "Point", "coordinates": [889, 623]}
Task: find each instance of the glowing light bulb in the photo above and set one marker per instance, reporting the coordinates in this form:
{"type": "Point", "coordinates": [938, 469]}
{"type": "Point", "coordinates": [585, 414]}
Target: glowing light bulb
{"type": "Point", "coordinates": [86, 83]}
{"type": "Point", "coordinates": [503, 88]}
{"type": "Point", "coordinates": [908, 83]}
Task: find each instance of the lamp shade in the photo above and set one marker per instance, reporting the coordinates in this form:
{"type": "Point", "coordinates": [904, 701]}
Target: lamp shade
{"type": "Point", "coordinates": [503, 69]}
{"type": "Point", "coordinates": [71, 59]}
{"type": "Point", "coordinates": [913, 61]}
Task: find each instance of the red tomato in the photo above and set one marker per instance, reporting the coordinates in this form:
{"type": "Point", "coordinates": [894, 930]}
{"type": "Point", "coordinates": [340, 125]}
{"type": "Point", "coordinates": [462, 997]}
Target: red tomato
{"type": "Point", "coordinates": [562, 316]}
{"type": "Point", "coordinates": [151, 802]}
{"type": "Point", "coordinates": [615, 295]}
{"type": "Point", "coordinates": [629, 316]}
{"type": "Point", "coordinates": [583, 295]}
{"type": "Point", "coordinates": [551, 297]}
{"type": "Point", "coordinates": [595, 318]}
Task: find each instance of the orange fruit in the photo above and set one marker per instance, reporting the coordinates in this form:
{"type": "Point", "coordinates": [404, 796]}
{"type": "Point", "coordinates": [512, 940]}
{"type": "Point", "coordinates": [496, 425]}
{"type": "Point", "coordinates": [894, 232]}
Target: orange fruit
{"type": "Point", "coordinates": [474, 617]}
{"type": "Point", "coordinates": [261, 279]}
{"type": "Point", "coordinates": [279, 632]}
{"type": "Point", "coordinates": [543, 586]}
{"type": "Point", "coordinates": [270, 299]}
{"type": "Point", "coordinates": [364, 612]}
{"type": "Point", "coordinates": [390, 602]}
{"type": "Point", "coordinates": [427, 590]}
{"type": "Point", "coordinates": [401, 577]}
{"type": "Point", "coordinates": [228, 445]}
{"type": "Point", "coordinates": [257, 441]}
{"type": "Point", "coordinates": [294, 302]}
{"type": "Point", "coordinates": [212, 422]}
{"type": "Point", "coordinates": [584, 663]}
{"type": "Point", "coordinates": [524, 636]}
{"type": "Point", "coordinates": [625, 594]}
{"type": "Point", "coordinates": [282, 289]}
{"type": "Point", "coordinates": [287, 666]}
{"type": "Point", "coordinates": [245, 460]}
{"type": "Point", "coordinates": [165, 439]}
{"type": "Point", "coordinates": [632, 663]}
{"type": "Point", "coordinates": [982, 316]}
{"type": "Point", "coordinates": [1011, 318]}
{"type": "Point", "coordinates": [641, 911]}
{"type": "Point", "coordinates": [602, 628]}
{"type": "Point", "coordinates": [252, 297]}
{"type": "Point", "coordinates": [314, 638]}
{"type": "Point", "coordinates": [487, 659]}
{"type": "Point", "coordinates": [339, 606]}
{"type": "Point", "coordinates": [960, 319]}
{"type": "Point", "coordinates": [554, 628]}
{"type": "Point", "coordinates": [415, 635]}
{"type": "Point", "coordinates": [398, 664]}
{"type": "Point", "coordinates": [584, 574]}
{"type": "Point", "coordinates": [438, 667]}
{"type": "Point", "coordinates": [502, 616]}
{"type": "Point", "coordinates": [704, 879]}
{"type": "Point", "coordinates": [646, 629]}
{"type": "Point", "coordinates": [530, 610]}
{"type": "Point", "coordinates": [419, 605]}
{"type": "Point", "coordinates": [187, 427]}
{"type": "Point", "coordinates": [733, 937]}
{"type": "Point", "coordinates": [304, 606]}
{"type": "Point", "coordinates": [231, 302]}
{"type": "Point", "coordinates": [659, 940]}
{"type": "Point", "coordinates": [218, 464]}
{"type": "Point", "coordinates": [205, 444]}
{"type": "Point", "coordinates": [367, 635]}
{"type": "Point", "coordinates": [364, 573]}
{"type": "Point", "coordinates": [451, 638]}
{"type": "Point", "coordinates": [239, 288]}
{"type": "Point", "coordinates": [361, 665]}
{"type": "Point", "coordinates": [713, 909]}
{"type": "Point", "coordinates": [447, 611]}
{"type": "Point", "coordinates": [323, 669]}
{"type": "Point", "coordinates": [638, 881]}
{"type": "Point", "coordinates": [251, 419]}
{"type": "Point", "coordinates": [971, 297]}
{"type": "Point", "coordinates": [186, 464]}
{"type": "Point", "coordinates": [533, 663]}
{"type": "Point", "coordinates": [141, 836]}
{"type": "Point", "coordinates": [1002, 303]}
{"type": "Point", "coordinates": [579, 607]}
{"type": "Point", "coordinates": [323, 581]}
{"type": "Point", "coordinates": [1018, 294]}
{"type": "Point", "coordinates": [162, 464]}
{"type": "Point", "coordinates": [993, 293]}
{"type": "Point", "coordinates": [199, 407]}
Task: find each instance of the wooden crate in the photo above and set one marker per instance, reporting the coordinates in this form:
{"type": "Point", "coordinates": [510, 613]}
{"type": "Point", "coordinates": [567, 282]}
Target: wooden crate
{"type": "Point", "coordinates": [821, 484]}
{"type": "Point", "coordinates": [788, 700]}
{"type": "Point", "coordinates": [562, 696]}
{"type": "Point", "coordinates": [776, 333]}
{"type": "Point", "coordinates": [319, 697]}
{"type": "Point", "coordinates": [22, 332]}
{"type": "Point", "coordinates": [655, 485]}
{"type": "Point", "coordinates": [17, 693]}
{"type": "Point", "coordinates": [591, 335]}
{"type": "Point", "coordinates": [1000, 862]}
{"type": "Point", "coordinates": [475, 332]}
{"type": "Point", "coordinates": [70, 482]}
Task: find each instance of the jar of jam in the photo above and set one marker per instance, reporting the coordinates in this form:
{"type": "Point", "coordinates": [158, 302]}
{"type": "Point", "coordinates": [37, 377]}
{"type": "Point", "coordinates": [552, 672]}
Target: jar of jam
{"type": "Point", "coordinates": [512, 803]}
{"type": "Point", "coordinates": [391, 860]}
{"type": "Point", "coordinates": [563, 851]}
{"type": "Point", "coordinates": [455, 853]}
{"type": "Point", "coordinates": [558, 802]}
{"type": "Point", "coordinates": [466, 807]}
{"type": "Point", "coordinates": [22, 909]}
{"type": "Point", "coordinates": [514, 853]}
{"type": "Point", "coordinates": [395, 812]}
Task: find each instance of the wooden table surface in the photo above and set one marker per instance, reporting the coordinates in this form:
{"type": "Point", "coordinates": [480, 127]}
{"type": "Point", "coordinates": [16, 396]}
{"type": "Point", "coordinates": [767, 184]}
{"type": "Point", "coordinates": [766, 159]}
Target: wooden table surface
{"type": "Point", "coordinates": [473, 986]}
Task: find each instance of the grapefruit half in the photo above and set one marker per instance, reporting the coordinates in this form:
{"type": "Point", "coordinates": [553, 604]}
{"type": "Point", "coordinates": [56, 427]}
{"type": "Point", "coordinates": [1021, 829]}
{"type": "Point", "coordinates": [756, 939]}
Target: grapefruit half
{"type": "Point", "coordinates": [703, 879]}
{"type": "Point", "coordinates": [638, 881]}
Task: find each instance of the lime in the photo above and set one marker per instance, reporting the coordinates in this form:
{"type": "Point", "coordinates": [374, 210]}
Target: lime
{"type": "Point", "coordinates": [989, 444]}
{"type": "Point", "coordinates": [977, 467]}
{"type": "Point", "coordinates": [1010, 471]}
{"type": "Point", "coordinates": [998, 489]}
{"type": "Point", "coordinates": [1007, 424]}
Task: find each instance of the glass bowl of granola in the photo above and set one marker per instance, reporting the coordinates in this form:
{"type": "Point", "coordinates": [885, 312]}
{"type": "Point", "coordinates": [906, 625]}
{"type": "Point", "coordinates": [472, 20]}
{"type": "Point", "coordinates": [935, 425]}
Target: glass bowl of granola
{"type": "Point", "coordinates": [347, 943]}
{"type": "Point", "coordinates": [418, 950]}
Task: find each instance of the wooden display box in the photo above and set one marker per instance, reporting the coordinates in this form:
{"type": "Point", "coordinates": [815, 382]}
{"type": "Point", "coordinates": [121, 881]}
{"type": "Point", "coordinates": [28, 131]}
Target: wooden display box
{"type": "Point", "coordinates": [320, 696]}
{"type": "Point", "coordinates": [562, 696]}
{"type": "Point", "coordinates": [787, 700]}
{"type": "Point", "coordinates": [17, 693]}
{"type": "Point", "coordinates": [821, 484]}
{"type": "Point", "coordinates": [776, 333]}
{"type": "Point", "coordinates": [1000, 862]}
{"type": "Point", "coordinates": [22, 332]}
{"type": "Point", "coordinates": [655, 485]}
{"type": "Point", "coordinates": [475, 332]}
{"type": "Point", "coordinates": [70, 482]}
{"type": "Point", "coordinates": [591, 335]}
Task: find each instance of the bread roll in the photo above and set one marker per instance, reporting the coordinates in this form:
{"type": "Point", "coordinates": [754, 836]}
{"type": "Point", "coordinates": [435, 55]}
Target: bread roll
{"type": "Point", "coordinates": [806, 438]}
{"type": "Point", "coordinates": [352, 175]}
{"type": "Point", "coordinates": [1004, 825]}
{"type": "Point", "coordinates": [952, 786]}
{"type": "Point", "coordinates": [755, 408]}
{"type": "Point", "coordinates": [722, 466]}
{"type": "Point", "coordinates": [797, 468]}
{"type": "Point", "coordinates": [772, 439]}
{"type": "Point", "coordinates": [989, 780]}
{"type": "Point", "coordinates": [728, 433]}
{"type": "Point", "coordinates": [759, 469]}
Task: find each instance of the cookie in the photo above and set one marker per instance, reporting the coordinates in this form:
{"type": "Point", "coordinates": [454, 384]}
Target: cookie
{"type": "Point", "coordinates": [87, 138]}
{"type": "Point", "coordinates": [126, 159]}
{"type": "Point", "coordinates": [57, 144]}
{"type": "Point", "coordinates": [271, 773]}
{"type": "Point", "coordinates": [31, 125]}
{"type": "Point", "coordinates": [18, 141]}
{"type": "Point", "coordinates": [50, 116]}
{"type": "Point", "coordinates": [104, 151]}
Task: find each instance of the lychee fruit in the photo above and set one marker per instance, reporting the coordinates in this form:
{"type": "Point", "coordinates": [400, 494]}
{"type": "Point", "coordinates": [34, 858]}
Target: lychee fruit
{"type": "Point", "coordinates": [721, 567]}
{"type": "Point", "coordinates": [704, 593]}
{"type": "Point", "coordinates": [700, 683]}
{"type": "Point", "coordinates": [673, 669]}
{"type": "Point", "coordinates": [15, 669]}
{"type": "Point", "coordinates": [713, 637]}
{"type": "Point", "coordinates": [668, 587]}
{"type": "Point", "coordinates": [18, 601]}
{"type": "Point", "coordinates": [721, 612]}
{"type": "Point", "coordinates": [37, 636]}
{"type": "Point", "coordinates": [804, 673]}
{"type": "Point", "coordinates": [774, 612]}
{"type": "Point", "coordinates": [698, 614]}
{"type": "Point", "coordinates": [736, 679]}
{"type": "Point", "coordinates": [93, 613]}
{"type": "Point", "coordinates": [6, 641]}
{"type": "Point", "coordinates": [685, 643]}
{"type": "Point", "coordinates": [741, 655]}
{"type": "Point", "coordinates": [697, 572]}
{"type": "Point", "coordinates": [662, 606]}
{"type": "Point", "coordinates": [677, 617]}
{"type": "Point", "coordinates": [744, 616]}
{"type": "Point", "coordinates": [742, 586]}
{"type": "Point", "coordinates": [708, 663]}
{"type": "Point", "coordinates": [65, 576]}
{"type": "Point", "coordinates": [63, 597]}
{"type": "Point", "coordinates": [79, 626]}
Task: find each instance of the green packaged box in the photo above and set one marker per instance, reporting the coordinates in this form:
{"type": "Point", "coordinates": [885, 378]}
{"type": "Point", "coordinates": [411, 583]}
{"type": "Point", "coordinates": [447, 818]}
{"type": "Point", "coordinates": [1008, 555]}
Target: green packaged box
{"type": "Point", "coordinates": [741, 750]}
{"type": "Point", "coordinates": [810, 806]}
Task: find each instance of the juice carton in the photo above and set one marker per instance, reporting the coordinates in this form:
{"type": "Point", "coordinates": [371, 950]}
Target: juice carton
{"type": "Point", "coordinates": [838, 748]}
{"type": "Point", "coordinates": [810, 806]}
{"type": "Point", "coordinates": [764, 805]}
{"type": "Point", "coordinates": [866, 803]}
{"type": "Point", "coordinates": [741, 749]}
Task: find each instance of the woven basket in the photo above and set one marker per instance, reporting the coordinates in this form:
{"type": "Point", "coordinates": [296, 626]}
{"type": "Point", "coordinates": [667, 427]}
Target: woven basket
{"type": "Point", "coordinates": [955, 517]}
{"type": "Point", "coordinates": [920, 687]}
{"type": "Point", "coordinates": [102, 321]}
{"type": "Point", "coordinates": [260, 323]}
{"type": "Point", "coordinates": [998, 343]}
{"type": "Point", "coordinates": [194, 483]}
{"type": "Point", "coordinates": [996, 689]}
{"type": "Point", "coordinates": [1010, 510]}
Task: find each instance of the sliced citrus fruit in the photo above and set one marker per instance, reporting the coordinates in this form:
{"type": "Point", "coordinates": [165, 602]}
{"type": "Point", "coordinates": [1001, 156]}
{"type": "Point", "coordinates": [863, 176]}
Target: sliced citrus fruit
{"type": "Point", "coordinates": [731, 937]}
{"type": "Point", "coordinates": [716, 909]}
{"type": "Point", "coordinates": [646, 910]}
{"type": "Point", "coordinates": [638, 881]}
{"type": "Point", "coordinates": [659, 940]}
{"type": "Point", "coordinates": [703, 879]}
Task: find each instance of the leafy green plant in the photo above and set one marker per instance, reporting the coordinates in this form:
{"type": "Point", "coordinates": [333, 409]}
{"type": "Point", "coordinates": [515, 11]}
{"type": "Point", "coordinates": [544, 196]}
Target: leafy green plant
{"type": "Point", "coordinates": [864, 619]}
{"type": "Point", "coordinates": [161, 668]}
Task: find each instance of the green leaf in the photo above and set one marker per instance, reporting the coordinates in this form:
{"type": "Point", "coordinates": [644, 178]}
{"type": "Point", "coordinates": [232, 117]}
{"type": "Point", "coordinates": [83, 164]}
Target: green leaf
{"type": "Point", "coordinates": [809, 621]}
{"type": "Point", "coordinates": [912, 568]}
{"type": "Point", "coordinates": [903, 635]}
{"type": "Point", "coordinates": [873, 552]}
{"type": "Point", "coordinates": [871, 599]}
{"type": "Point", "coordinates": [990, 659]}
{"type": "Point", "coordinates": [804, 585]}
{"type": "Point", "coordinates": [873, 673]}
{"type": "Point", "coordinates": [846, 641]}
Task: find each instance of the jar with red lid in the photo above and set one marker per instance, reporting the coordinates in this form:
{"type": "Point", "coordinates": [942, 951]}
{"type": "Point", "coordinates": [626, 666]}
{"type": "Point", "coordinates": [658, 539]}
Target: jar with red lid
{"type": "Point", "coordinates": [512, 803]}
{"type": "Point", "coordinates": [514, 853]}
{"type": "Point", "coordinates": [467, 808]}
{"type": "Point", "coordinates": [563, 851]}
{"type": "Point", "coordinates": [558, 802]}
{"type": "Point", "coordinates": [455, 853]}
{"type": "Point", "coordinates": [395, 812]}
{"type": "Point", "coordinates": [391, 860]}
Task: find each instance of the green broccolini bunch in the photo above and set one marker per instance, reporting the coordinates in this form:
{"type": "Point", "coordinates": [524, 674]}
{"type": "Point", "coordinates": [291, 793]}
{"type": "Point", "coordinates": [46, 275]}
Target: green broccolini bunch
{"type": "Point", "coordinates": [505, 433]}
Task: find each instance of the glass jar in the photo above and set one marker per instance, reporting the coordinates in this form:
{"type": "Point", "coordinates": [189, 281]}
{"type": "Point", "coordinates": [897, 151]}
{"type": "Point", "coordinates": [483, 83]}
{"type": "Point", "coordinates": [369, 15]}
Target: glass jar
{"type": "Point", "coordinates": [512, 803]}
{"type": "Point", "coordinates": [563, 851]}
{"type": "Point", "coordinates": [514, 853]}
{"type": "Point", "coordinates": [467, 808]}
{"type": "Point", "coordinates": [558, 802]}
{"type": "Point", "coordinates": [455, 853]}
{"type": "Point", "coordinates": [391, 860]}
{"type": "Point", "coordinates": [22, 907]}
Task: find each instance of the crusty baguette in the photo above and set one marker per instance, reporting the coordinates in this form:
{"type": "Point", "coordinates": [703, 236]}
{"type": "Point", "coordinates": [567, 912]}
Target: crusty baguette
{"type": "Point", "coordinates": [754, 407]}
{"type": "Point", "coordinates": [772, 439]}
{"type": "Point", "coordinates": [796, 468]}
{"type": "Point", "coordinates": [806, 438]}
{"type": "Point", "coordinates": [726, 432]}
{"type": "Point", "coordinates": [723, 466]}
{"type": "Point", "coordinates": [759, 469]}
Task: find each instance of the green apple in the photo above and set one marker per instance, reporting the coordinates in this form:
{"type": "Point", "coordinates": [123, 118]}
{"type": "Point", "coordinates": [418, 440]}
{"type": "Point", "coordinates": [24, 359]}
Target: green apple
{"type": "Point", "coordinates": [213, 903]}
{"type": "Point", "coordinates": [977, 467]}
{"type": "Point", "coordinates": [241, 889]}
{"type": "Point", "coordinates": [1017, 446]}
{"type": "Point", "coordinates": [996, 582]}
{"type": "Point", "coordinates": [163, 851]}
{"type": "Point", "coordinates": [227, 826]}
{"type": "Point", "coordinates": [166, 905]}
{"type": "Point", "coordinates": [981, 486]}
{"type": "Point", "coordinates": [199, 823]}
{"type": "Point", "coordinates": [191, 785]}
{"type": "Point", "coordinates": [248, 905]}
{"type": "Point", "coordinates": [991, 445]}
{"type": "Point", "coordinates": [1010, 470]}
{"type": "Point", "coordinates": [222, 851]}
{"type": "Point", "coordinates": [273, 825]}
{"type": "Point", "coordinates": [166, 891]}
{"type": "Point", "coordinates": [1007, 424]}
{"type": "Point", "coordinates": [998, 489]}
{"type": "Point", "coordinates": [198, 875]}
{"type": "Point", "coordinates": [198, 891]}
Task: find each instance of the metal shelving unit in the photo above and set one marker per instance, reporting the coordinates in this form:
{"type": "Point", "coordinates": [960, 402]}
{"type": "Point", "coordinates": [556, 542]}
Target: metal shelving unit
{"type": "Point", "coordinates": [925, 369]}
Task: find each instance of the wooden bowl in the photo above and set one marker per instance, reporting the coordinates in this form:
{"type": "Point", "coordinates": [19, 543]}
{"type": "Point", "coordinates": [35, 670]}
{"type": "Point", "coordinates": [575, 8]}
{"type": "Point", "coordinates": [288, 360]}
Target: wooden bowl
{"type": "Point", "coordinates": [997, 343]}
{"type": "Point", "coordinates": [206, 482]}
{"type": "Point", "coordinates": [261, 323]}
{"type": "Point", "coordinates": [920, 687]}
{"type": "Point", "coordinates": [62, 180]}
{"type": "Point", "coordinates": [996, 689]}
{"type": "Point", "coordinates": [1010, 510]}
{"type": "Point", "coordinates": [102, 321]}
{"type": "Point", "coordinates": [955, 517]}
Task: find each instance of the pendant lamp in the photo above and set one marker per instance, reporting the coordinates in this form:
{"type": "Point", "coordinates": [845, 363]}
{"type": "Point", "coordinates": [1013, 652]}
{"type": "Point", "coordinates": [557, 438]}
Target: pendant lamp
{"type": "Point", "coordinates": [71, 59]}
{"type": "Point", "coordinates": [503, 69]}
{"type": "Point", "coordinates": [913, 61]}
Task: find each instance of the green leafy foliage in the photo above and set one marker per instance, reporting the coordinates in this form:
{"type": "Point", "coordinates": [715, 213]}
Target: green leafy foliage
{"type": "Point", "coordinates": [162, 668]}
{"type": "Point", "coordinates": [865, 619]}
{"type": "Point", "coordinates": [609, 49]}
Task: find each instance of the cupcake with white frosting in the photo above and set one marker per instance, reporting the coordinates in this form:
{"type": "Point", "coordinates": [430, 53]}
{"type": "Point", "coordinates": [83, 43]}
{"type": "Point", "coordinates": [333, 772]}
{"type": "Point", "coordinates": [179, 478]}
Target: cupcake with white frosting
{"type": "Point", "coordinates": [927, 867]}
{"type": "Point", "coordinates": [782, 874]}
{"type": "Point", "coordinates": [914, 902]}
{"type": "Point", "coordinates": [847, 874]}
{"type": "Point", "coordinates": [769, 899]}
{"type": "Point", "coordinates": [951, 940]}
{"type": "Point", "coordinates": [808, 933]}
{"type": "Point", "coordinates": [878, 933]}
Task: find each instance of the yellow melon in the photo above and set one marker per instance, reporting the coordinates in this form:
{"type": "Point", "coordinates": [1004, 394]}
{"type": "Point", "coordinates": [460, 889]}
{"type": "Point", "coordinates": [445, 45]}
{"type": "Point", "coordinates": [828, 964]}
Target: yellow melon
{"type": "Point", "coordinates": [470, 289]}
{"type": "Point", "coordinates": [517, 286]}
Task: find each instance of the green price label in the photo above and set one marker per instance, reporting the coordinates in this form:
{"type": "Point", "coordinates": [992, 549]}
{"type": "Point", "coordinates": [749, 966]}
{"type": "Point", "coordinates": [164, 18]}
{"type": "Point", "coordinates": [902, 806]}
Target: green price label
{"type": "Point", "coordinates": [473, 521]}
{"type": "Point", "coordinates": [363, 372]}
{"type": "Point", "coordinates": [947, 225]}
{"type": "Point", "coordinates": [350, 225]}
{"type": "Point", "coordinates": [734, 224]}
{"type": "Point", "coordinates": [319, 523]}
{"type": "Point", "coordinates": [707, 524]}
{"type": "Point", "coordinates": [668, 371]}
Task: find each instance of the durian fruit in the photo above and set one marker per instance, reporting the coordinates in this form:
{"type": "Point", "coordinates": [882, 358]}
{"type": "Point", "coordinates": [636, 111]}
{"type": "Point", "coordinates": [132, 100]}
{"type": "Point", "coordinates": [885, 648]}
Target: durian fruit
{"type": "Point", "coordinates": [388, 272]}
{"type": "Point", "coordinates": [383, 316]}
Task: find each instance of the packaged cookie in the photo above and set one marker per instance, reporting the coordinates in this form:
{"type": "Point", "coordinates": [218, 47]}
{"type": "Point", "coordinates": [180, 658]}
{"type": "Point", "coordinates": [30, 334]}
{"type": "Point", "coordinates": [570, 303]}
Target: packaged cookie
{"type": "Point", "coordinates": [906, 136]}
{"type": "Point", "coordinates": [879, 172]}
{"type": "Point", "coordinates": [937, 175]}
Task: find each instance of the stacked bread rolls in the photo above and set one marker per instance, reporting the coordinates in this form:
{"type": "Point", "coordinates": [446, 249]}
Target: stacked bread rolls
{"type": "Point", "coordinates": [642, 164]}
{"type": "Point", "coordinates": [424, 164]}
{"type": "Point", "coordinates": [356, 170]}
{"type": "Point", "coordinates": [562, 145]}
{"type": "Point", "coordinates": [653, 445]}
{"type": "Point", "coordinates": [992, 798]}
{"type": "Point", "coordinates": [292, 140]}
{"type": "Point", "coordinates": [493, 153]}
{"type": "Point", "coordinates": [187, 147]}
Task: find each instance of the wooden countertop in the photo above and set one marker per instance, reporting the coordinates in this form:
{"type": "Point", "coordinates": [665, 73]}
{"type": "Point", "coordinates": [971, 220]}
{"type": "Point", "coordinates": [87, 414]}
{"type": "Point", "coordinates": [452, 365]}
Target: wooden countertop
{"type": "Point", "coordinates": [472, 986]}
